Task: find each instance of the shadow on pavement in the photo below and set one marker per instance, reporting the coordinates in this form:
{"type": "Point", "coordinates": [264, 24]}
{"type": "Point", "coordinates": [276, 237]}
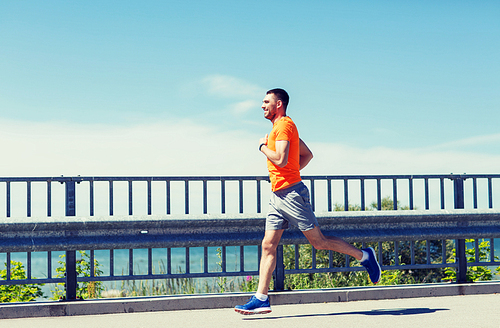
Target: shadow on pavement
{"type": "Point", "coordinates": [411, 311]}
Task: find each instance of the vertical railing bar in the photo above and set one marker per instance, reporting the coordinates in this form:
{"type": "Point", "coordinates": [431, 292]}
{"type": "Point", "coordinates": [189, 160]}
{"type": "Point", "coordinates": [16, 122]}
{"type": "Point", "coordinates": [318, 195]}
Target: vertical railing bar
{"type": "Point", "coordinates": [49, 198]}
{"type": "Point", "coordinates": [242, 259]}
{"type": "Point", "coordinates": [71, 273]}
{"type": "Point", "coordinates": [92, 264]}
{"type": "Point", "coordinates": [205, 259]}
{"type": "Point", "coordinates": [186, 196]}
{"type": "Point", "coordinates": [259, 197]}
{"type": "Point", "coordinates": [28, 269]}
{"type": "Point", "coordinates": [410, 186]}
{"type": "Point", "coordinates": [240, 191]}
{"type": "Point", "coordinates": [428, 251]}
{"type": "Point", "coordinates": [441, 184]}
{"type": "Point", "coordinates": [223, 196]}
{"type": "Point", "coordinates": [476, 250]}
{"type": "Point", "coordinates": [223, 259]}
{"type": "Point", "coordinates": [379, 195]}
{"type": "Point", "coordinates": [492, 250]}
{"type": "Point", "coordinates": [396, 253]}
{"type": "Point", "coordinates": [71, 276]}
{"type": "Point", "coordinates": [150, 210]}
{"type": "Point", "coordinates": [28, 198]}
{"type": "Point", "coordinates": [313, 196]}
{"type": "Point", "coordinates": [460, 244]}
{"type": "Point", "coordinates": [7, 184]}
{"type": "Point", "coordinates": [426, 182]}
{"type": "Point", "coordinates": [205, 196]}
{"type": "Point", "coordinates": [362, 187]}
{"type": "Point", "coordinates": [167, 186]}
{"type": "Point", "coordinates": [313, 255]}
{"type": "Point", "coordinates": [112, 262]}
{"type": "Point", "coordinates": [279, 272]}
{"type": "Point", "coordinates": [347, 261]}
{"type": "Point", "coordinates": [380, 253]}
{"type": "Point", "coordinates": [150, 261]}
{"type": "Point", "coordinates": [297, 256]}
{"type": "Point", "coordinates": [130, 198]}
{"type": "Point", "coordinates": [395, 193]}
{"type": "Point", "coordinates": [110, 197]}
{"type": "Point", "coordinates": [330, 259]}
{"type": "Point", "coordinates": [91, 197]}
{"type": "Point", "coordinates": [169, 260]}
{"type": "Point", "coordinates": [443, 251]}
{"type": "Point", "coordinates": [130, 262]}
{"type": "Point", "coordinates": [188, 261]}
{"type": "Point", "coordinates": [329, 201]}
{"type": "Point", "coordinates": [490, 192]}
{"type": "Point", "coordinates": [49, 264]}
{"type": "Point", "coordinates": [346, 195]}
{"type": "Point", "coordinates": [7, 267]}
{"type": "Point", "coordinates": [412, 251]}
{"type": "Point", "coordinates": [474, 191]}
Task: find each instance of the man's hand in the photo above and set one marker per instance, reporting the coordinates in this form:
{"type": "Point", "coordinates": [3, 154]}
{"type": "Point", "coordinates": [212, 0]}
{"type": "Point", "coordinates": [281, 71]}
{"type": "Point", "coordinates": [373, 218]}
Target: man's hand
{"type": "Point", "coordinates": [263, 140]}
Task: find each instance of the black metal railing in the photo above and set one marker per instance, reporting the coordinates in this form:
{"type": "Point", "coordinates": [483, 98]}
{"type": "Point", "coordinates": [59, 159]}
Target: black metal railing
{"type": "Point", "coordinates": [209, 195]}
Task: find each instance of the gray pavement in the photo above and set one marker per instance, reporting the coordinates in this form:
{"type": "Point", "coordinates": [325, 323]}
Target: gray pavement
{"type": "Point", "coordinates": [445, 311]}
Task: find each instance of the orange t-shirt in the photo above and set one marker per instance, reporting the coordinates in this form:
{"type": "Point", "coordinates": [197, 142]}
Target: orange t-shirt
{"type": "Point", "coordinates": [282, 177]}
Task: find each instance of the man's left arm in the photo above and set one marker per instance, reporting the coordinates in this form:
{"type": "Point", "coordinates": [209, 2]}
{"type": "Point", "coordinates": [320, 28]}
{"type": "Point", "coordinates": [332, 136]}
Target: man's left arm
{"type": "Point", "coordinates": [305, 154]}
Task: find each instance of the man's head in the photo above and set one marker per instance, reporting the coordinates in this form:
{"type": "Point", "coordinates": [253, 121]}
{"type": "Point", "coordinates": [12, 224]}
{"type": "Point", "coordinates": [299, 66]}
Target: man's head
{"type": "Point", "coordinates": [274, 104]}
{"type": "Point", "coordinates": [281, 95]}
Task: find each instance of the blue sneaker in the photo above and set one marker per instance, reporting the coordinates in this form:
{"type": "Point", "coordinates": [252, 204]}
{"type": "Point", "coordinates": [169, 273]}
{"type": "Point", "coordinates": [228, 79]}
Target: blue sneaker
{"type": "Point", "coordinates": [254, 306]}
{"type": "Point", "coordinates": [371, 265]}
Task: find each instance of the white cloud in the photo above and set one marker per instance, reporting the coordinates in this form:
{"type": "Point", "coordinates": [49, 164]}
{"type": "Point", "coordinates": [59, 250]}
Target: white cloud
{"type": "Point", "coordinates": [163, 148]}
{"type": "Point", "coordinates": [472, 141]}
{"type": "Point", "coordinates": [231, 87]}
{"type": "Point", "coordinates": [186, 148]}
{"type": "Point", "coordinates": [245, 106]}
{"type": "Point", "coordinates": [340, 159]}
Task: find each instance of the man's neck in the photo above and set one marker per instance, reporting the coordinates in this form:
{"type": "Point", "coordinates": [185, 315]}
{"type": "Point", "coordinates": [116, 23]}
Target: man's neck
{"type": "Point", "coordinates": [277, 118]}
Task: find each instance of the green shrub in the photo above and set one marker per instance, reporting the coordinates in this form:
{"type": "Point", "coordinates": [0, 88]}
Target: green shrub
{"type": "Point", "coordinates": [18, 293]}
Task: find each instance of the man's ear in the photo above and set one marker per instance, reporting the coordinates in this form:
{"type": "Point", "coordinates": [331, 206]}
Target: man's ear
{"type": "Point", "coordinates": [279, 104]}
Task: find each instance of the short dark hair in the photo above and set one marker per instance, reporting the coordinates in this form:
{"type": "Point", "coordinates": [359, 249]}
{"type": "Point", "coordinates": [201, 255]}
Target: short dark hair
{"type": "Point", "coordinates": [280, 95]}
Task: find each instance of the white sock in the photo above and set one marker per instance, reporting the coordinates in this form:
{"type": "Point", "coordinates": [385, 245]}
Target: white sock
{"type": "Point", "coordinates": [365, 256]}
{"type": "Point", "coordinates": [261, 297]}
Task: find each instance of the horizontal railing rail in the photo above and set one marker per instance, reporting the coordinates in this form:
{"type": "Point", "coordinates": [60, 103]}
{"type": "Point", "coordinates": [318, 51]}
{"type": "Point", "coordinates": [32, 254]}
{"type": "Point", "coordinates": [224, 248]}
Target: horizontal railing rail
{"type": "Point", "coordinates": [93, 233]}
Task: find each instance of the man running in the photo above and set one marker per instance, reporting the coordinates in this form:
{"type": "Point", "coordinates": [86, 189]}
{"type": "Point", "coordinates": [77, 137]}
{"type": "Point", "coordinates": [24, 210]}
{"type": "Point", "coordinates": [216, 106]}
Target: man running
{"type": "Point", "coordinates": [286, 155]}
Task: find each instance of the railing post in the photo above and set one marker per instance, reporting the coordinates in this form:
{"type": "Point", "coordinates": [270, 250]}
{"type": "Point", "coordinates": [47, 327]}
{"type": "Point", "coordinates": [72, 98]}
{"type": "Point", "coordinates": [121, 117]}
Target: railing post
{"type": "Point", "coordinates": [71, 274]}
{"type": "Point", "coordinates": [458, 186]}
{"type": "Point", "coordinates": [279, 273]}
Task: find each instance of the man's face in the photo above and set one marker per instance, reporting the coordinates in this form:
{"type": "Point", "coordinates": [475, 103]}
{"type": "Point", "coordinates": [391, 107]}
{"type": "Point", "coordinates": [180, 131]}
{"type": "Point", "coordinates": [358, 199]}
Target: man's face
{"type": "Point", "coordinates": [269, 106]}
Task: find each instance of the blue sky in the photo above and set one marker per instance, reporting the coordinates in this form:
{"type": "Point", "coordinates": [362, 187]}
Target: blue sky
{"type": "Point", "coordinates": [175, 87]}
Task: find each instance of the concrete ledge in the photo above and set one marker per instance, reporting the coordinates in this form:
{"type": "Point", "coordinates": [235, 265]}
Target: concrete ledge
{"type": "Point", "coordinates": [213, 301]}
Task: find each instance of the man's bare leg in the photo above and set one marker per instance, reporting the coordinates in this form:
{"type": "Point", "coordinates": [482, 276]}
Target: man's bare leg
{"type": "Point", "coordinates": [320, 241]}
{"type": "Point", "coordinates": [366, 257]}
{"type": "Point", "coordinates": [268, 259]}
{"type": "Point", "coordinates": [259, 303]}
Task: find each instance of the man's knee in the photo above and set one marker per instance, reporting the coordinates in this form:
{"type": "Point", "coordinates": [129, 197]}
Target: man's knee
{"type": "Point", "coordinates": [269, 245]}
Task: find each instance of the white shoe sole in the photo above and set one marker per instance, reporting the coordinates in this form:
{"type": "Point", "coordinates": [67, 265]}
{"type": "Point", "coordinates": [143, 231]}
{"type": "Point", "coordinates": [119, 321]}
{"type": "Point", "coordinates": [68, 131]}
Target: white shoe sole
{"type": "Point", "coordinates": [256, 311]}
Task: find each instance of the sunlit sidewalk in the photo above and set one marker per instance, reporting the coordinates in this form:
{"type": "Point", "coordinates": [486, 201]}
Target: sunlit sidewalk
{"type": "Point", "coordinates": [446, 311]}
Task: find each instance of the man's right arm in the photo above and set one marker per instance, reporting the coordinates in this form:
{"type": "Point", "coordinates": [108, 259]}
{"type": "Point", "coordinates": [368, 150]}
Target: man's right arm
{"type": "Point", "coordinates": [305, 154]}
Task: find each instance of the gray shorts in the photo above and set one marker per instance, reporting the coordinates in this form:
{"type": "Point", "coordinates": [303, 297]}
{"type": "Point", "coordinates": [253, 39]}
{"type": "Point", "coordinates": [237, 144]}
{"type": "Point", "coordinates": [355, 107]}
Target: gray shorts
{"type": "Point", "coordinates": [291, 206]}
